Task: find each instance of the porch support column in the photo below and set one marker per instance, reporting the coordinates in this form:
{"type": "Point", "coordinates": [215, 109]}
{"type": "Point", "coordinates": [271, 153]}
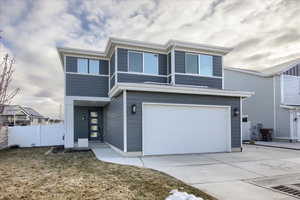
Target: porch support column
{"type": "Point", "coordinates": [69, 123]}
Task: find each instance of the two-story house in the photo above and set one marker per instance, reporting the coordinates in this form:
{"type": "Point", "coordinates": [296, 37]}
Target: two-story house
{"type": "Point", "coordinates": [149, 99]}
{"type": "Point", "coordinates": [276, 103]}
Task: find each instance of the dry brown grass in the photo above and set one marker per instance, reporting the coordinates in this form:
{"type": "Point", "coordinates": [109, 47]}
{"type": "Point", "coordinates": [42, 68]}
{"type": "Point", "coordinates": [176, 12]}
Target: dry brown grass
{"type": "Point", "coordinates": [30, 174]}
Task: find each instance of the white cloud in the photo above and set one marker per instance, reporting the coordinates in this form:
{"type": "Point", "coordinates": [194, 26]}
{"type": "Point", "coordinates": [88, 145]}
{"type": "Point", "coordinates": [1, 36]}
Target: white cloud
{"type": "Point", "coordinates": [264, 33]}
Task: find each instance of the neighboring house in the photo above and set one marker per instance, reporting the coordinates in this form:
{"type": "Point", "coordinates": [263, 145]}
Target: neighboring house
{"type": "Point", "coordinates": [276, 103]}
{"type": "Point", "coordinates": [15, 115]}
{"type": "Point", "coordinates": [148, 99]}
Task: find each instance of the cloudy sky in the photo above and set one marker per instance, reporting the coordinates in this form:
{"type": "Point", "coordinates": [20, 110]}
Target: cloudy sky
{"type": "Point", "coordinates": [263, 32]}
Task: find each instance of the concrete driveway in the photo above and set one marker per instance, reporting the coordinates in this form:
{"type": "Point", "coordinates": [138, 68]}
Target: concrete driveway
{"type": "Point", "coordinates": [242, 175]}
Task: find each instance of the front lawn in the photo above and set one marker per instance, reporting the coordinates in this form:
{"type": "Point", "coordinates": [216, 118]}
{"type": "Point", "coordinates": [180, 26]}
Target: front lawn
{"type": "Point", "coordinates": [31, 174]}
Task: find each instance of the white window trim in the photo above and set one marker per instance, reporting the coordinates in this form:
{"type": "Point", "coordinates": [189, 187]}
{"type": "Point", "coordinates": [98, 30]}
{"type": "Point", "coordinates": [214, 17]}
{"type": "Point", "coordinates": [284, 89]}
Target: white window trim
{"type": "Point", "coordinates": [199, 66]}
{"type": "Point", "coordinates": [143, 63]}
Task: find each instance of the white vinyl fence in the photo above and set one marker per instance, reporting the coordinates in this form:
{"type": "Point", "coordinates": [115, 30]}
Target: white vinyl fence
{"type": "Point", "coordinates": [246, 130]}
{"type": "Point", "coordinates": [37, 135]}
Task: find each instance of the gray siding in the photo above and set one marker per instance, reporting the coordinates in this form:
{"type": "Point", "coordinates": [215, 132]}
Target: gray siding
{"type": "Point", "coordinates": [122, 60]}
{"type": "Point", "coordinates": [282, 114]}
{"type": "Point", "coordinates": [103, 67]}
{"type": "Point", "coordinates": [198, 80]}
{"type": "Point", "coordinates": [179, 62]}
{"type": "Point", "coordinates": [259, 107]}
{"type": "Point", "coordinates": [217, 66]}
{"type": "Point", "coordinates": [134, 121]}
{"type": "Point", "coordinates": [294, 71]}
{"type": "Point", "coordinates": [71, 64]}
{"type": "Point", "coordinates": [140, 78]}
{"type": "Point", "coordinates": [162, 64]}
{"type": "Point", "coordinates": [81, 121]}
{"type": "Point", "coordinates": [86, 85]}
{"type": "Point", "coordinates": [113, 123]}
{"type": "Point", "coordinates": [112, 64]}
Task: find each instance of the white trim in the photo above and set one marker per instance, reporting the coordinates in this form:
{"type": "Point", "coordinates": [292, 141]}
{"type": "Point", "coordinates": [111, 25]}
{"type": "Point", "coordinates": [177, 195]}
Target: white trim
{"type": "Point", "coordinates": [252, 72]}
{"type": "Point", "coordinates": [116, 65]}
{"type": "Point", "coordinates": [274, 108]}
{"type": "Point", "coordinates": [112, 76]}
{"type": "Point", "coordinates": [290, 107]}
{"type": "Point", "coordinates": [176, 89]}
{"type": "Point", "coordinates": [223, 86]}
{"type": "Point", "coordinates": [86, 55]}
{"type": "Point", "coordinates": [281, 89]}
{"type": "Point", "coordinates": [173, 67]}
{"type": "Point", "coordinates": [229, 148]}
{"type": "Point", "coordinates": [292, 125]}
{"type": "Point", "coordinates": [140, 73]}
{"type": "Point", "coordinates": [125, 119]}
{"type": "Point", "coordinates": [109, 75]}
{"type": "Point", "coordinates": [84, 74]}
{"type": "Point", "coordinates": [143, 63]}
{"type": "Point", "coordinates": [198, 75]}
{"type": "Point", "coordinates": [82, 98]}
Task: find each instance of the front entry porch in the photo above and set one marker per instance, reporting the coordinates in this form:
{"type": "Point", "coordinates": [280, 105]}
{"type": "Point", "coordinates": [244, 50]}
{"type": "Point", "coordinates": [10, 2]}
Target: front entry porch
{"type": "Point", "coordinates": [85, 127]}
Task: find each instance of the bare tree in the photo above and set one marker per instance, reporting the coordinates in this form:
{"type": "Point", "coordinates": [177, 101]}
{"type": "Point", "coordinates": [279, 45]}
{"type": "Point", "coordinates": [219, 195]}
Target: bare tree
{"type": "Point", "coordinates": [6, 74]}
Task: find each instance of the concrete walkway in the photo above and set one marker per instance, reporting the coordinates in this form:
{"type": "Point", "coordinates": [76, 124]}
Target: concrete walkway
{"type": "Point", "coordinates": [284, 145]}
{"type": "Point", "coordinates": [224, 175]}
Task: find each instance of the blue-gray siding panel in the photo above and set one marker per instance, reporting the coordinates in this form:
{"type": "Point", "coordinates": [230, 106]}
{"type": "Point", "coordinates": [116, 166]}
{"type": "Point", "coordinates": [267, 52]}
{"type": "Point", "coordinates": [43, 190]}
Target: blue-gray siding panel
{"type": "Point", "coordinates": [140, 78]}
{"type": "Point", "coordinates": [198, 80]}
{"type": "Point", "coordinates": [86, 85]}
{"type": "Point", "coordinates": [71, 64]}
{"type": "Point", "coordinates": [134, 121]}
{"type": "Point", "coordinates": [113, 122]}
{"type": "Point", "coordinates": [112, 64]}
{"type": "Point", "coordinates": [217, 65]}
{"type": "Point", "coordinates": [103, 67]}
{"type": "Point", "coordinates": [122, 60]}
{"type": "Point", "coordinates": [162, 64]}
{"type": "Point", "coordinates": [179, 62]}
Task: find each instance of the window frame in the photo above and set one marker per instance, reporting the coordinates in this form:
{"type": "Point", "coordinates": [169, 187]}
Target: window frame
{"type": "Point", "coordinates": [87, 66]}
{"type": "Point", "coordinates": [199, 64]}
{"type": "Point", "coordinates": [143, 63]}
{"type": "Point", "coordinates": [99, 65]}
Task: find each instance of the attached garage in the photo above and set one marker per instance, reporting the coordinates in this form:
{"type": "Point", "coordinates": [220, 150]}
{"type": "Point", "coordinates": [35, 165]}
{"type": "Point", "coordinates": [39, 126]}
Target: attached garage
{"type": "Point", "coordinates": [185, 128]}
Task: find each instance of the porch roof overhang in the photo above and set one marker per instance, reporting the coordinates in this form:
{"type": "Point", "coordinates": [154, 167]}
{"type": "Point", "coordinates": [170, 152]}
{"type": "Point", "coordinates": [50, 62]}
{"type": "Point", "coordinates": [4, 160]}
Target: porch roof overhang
{"type": "Point", "coordinates": [180, 89]}
{"type": "Point", "coordinates": [87, 101]}
{"type": "Point", "coordinates": [290, 107]}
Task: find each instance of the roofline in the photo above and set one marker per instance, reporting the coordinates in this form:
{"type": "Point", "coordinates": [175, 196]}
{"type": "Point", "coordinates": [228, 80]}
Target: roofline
{"type": "Point", "coordinates": [256, 73]}
{"type": "Point", "coordinates": [163, 47]}
{"type": "Point", "coordinates": [176, 89]}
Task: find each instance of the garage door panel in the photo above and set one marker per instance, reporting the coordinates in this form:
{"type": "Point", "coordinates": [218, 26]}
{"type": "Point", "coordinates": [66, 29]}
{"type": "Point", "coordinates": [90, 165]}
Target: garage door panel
{"type": "Point", "coordinates": [173, 129]}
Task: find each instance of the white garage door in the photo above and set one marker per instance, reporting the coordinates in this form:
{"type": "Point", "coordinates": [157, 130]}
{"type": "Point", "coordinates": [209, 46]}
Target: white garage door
{"type": "Point", "coordinates": [179, 129]}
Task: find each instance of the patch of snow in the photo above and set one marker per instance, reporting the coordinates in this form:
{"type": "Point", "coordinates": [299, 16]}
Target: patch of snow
{"type": "Point", "coordinates": [176, 195]}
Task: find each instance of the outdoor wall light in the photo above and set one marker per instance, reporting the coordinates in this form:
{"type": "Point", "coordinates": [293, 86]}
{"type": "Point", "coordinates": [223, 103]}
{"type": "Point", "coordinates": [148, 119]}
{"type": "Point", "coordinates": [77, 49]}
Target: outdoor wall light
{"type": "Point", "coordinates": [133, 108]}
{"type": "Point", "coordinates": [236, 112]}
{"type": "Point", "coordinates": [295, 119]}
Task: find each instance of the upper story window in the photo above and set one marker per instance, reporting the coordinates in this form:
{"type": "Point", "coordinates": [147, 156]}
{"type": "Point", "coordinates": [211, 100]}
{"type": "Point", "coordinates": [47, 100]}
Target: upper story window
{"type": "Point", "coordinates": [87, 66]}
{"type": "Point", "coordinates": [93, 66]}
{"type": "Point", "coordinates": [143, 62]}
{"type": "Point", "coordinates": [82, 65]}
{"type": "Point", "coordinates": [198, 64]}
